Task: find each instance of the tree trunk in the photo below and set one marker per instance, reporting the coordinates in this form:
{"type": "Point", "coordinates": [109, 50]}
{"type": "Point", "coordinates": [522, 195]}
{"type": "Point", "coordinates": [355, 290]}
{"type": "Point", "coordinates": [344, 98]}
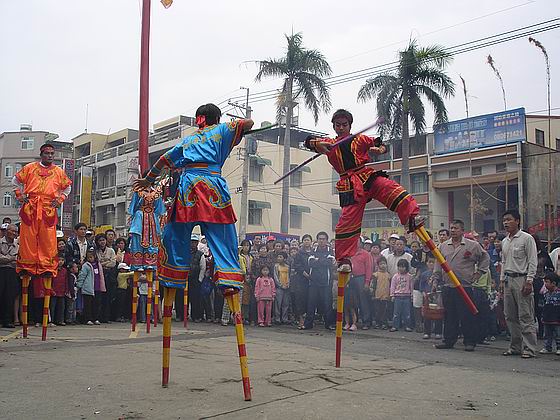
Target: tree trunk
{"type": "Point", "coordinates": [285, 216]}
{"type": "Point", "coordinates": [405, 172]}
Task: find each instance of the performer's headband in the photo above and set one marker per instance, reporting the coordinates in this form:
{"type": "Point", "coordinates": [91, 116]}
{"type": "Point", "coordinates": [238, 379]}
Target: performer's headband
{"type": "Point", "coordinates": [201, 121]}
{"type": "Point", "coordinates": [46, 146]}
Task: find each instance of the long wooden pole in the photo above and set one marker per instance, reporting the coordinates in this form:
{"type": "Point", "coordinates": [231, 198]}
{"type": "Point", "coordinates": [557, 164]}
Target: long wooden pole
{"type": "Point", "coordinates": [135, 277]}
{"type": "Point", "coordinates": [149, 277]}
{"type": "Point", "coordinates": [343, 277]}
{"type": "Point", "coordinates": [156, 301]}
{"type": "Point", "coordinates": [144, 87]}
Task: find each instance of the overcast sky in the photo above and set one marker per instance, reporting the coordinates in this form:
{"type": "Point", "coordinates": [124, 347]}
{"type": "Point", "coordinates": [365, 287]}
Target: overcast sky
{"type": "Point", "coordinates": [57, 56]}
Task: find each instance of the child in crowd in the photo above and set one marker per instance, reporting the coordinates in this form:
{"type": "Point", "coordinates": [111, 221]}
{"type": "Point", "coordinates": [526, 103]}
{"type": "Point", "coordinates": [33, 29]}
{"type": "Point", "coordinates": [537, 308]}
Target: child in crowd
{"type": "Point", "coordinates": [380, 287]}
{"type": "Point", "coordinates": [124, 279]}
{"type": "Point", "coordinates": [551, 313]}
{"type": "Point", "coordinates": [142, 296]}
{"type": "Point", "coordinates": [265, 291]}
{"type": "Point", "coordinates": [426, 285]}
{"type": "Point", "coordinates": [86, 286]}
{"type": "Point", "coordinates": [59, 286]}
{"type": "Point", "coordinates": [71, 293]}
{"type": "Point", "coordinates": [494, 298]}
{"type": "Point", "coordinates": [401, 293]}
{"type": "Point", "coordinates": [282, 284]}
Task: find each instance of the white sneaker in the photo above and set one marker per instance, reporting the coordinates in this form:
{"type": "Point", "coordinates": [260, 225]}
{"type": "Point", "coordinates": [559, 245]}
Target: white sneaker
{"type": "Point", "coordinates": [558, 352]}
{"type": "Point", "coordinates": [345, 268]}
{"type": "Point", "coordinates": [97, 323]}
{"type": "Point", "coordinates": [546, 351]}
{"type": "Point", "coordinates": [89, 323]}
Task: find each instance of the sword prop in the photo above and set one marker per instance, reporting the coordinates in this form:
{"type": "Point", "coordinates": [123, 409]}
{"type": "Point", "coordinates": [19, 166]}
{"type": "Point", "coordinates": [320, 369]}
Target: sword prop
{"type": "Point", "coordinates": [337, 143]}
{"type": "Point", "coordinates": [422, 234]}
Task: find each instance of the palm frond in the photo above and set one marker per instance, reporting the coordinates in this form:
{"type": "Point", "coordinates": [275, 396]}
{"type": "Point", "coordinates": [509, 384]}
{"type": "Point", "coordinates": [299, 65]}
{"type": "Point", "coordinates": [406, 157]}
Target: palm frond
{"type": "Point", "coordinates": [437, 80]}
{"type": "Point", "coordinates": [271, 68]}
{"type": "Point", "coordinates": [440, 111]}
{"type": "Point", "coordinates": [417, 112]}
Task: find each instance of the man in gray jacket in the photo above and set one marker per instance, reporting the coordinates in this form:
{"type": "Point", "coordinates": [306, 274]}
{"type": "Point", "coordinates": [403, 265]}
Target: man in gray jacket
{"type": "Point", "coordinates": [9, 281]}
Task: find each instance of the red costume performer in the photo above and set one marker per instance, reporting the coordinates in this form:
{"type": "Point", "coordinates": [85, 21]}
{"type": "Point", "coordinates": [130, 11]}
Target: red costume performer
{"type": "Point", "coordinates": [359, 184]}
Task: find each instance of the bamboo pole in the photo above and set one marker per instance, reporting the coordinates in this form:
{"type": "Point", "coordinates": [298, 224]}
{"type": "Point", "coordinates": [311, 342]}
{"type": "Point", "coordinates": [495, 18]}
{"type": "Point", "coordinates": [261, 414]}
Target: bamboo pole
{"type": "Point", "coordinates": [25, 280]}
{"type": "Point", "coordinates": [47, 282]}
{"type": "Point", "coordinates": [149, 277]}
{"type": "Point", "coordinates": [168, 299]}
{"type": "Point", "coordinates": [343, 277]}
{"type": "Point", "coordinates": [156, 301]}
{"type": "Point", "coordinates": [135, 277]}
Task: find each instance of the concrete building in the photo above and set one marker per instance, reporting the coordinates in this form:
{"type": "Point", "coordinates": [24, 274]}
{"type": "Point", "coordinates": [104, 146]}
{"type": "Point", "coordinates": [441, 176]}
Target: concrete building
{"type": "Point", "coordinates": [443, 167]}
{"type": "Point", "coordinates": [111, 168]}
{"type": "Point", "coordinates": [18, 148]}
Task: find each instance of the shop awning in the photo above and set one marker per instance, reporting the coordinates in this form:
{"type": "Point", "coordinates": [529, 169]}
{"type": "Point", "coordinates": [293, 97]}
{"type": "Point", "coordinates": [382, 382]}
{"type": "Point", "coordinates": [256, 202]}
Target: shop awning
{"type": "Point", "coordinates": [299, 209]}
{"type": "Point", "coordinates": [259, 204]}
{"type": "Point", "coordinates": [302, 169]}
{"type": "Point", "coordinates": [262, 161]}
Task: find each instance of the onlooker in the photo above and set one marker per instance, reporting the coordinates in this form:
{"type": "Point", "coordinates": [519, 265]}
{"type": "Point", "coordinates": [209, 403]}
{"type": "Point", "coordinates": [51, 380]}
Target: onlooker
{"type": "Point", "coordinates": [468, 261]}
{"type": "Point", "coordinates": [9, 281]}
{"type": "Point", "coordinates": [70, 298]}
{"type": "Point", "coordinates": [544, 265]}
{"type": "Point", "coordinates": [245, 261]}
{"type": "Point", "coordinates": [443, 235]}
{"type": "Point", "coordinates": [282, 283]}
{"type": "Point", "coordinates": [390, 249]}
{"type": "Point", "coordinates": [358, 288]}
{"type": "Point", "coordinates": [86, 286]}
{"type": "Point", "coordinates": [265, 292]}
{"type": "Point", "coordinates": [111, 236]}
{"type": "Point", "coordinates": [380, 287]}
{"type": "Point", "coordinates": [397, 254]}
{"type": "Point", "coordinates": [142, 296]}
{"type": "Point", "coordinates": [77, 246]}
{"type": "Point", "coordinates": [401, 293]}
{"type": "Point", "coordinates": [260, 261]}
{"type": "Point", "coordinates": [519, 267]}
{"type": "Point", "coordinates": [124, 282]}
{"type": "Point", "coordinates": [300, 281]}
{"type": "Point", "coordinates": [196, 275]}
{"type": "Point", "coordinates": [59, 288]}
{"type": "Point", "coordinates": [108, 261]}
{"type": "Point", "coordinates": [426, 286]}
{"type": "Point", "coordinates": [551, 313]}
{"type": "Point", "coordinates": [321, 262]}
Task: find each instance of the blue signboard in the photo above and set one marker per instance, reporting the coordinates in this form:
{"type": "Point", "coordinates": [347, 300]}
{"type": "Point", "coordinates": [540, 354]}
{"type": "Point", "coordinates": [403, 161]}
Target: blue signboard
{"type": "Point", "coordinates": [482, 131]}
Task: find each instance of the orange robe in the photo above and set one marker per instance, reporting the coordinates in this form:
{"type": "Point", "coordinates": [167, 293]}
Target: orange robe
{"type": "Point", "coordinates": [37, 241]}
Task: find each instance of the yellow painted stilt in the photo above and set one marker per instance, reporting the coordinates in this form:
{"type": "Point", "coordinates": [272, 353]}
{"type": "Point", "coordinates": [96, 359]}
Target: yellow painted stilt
{"type": "Point", "coordinates": [343, 278]}
{"type": "Point", "coordinates": [156, 301]}
{"type": "Point", "coordinates": [47, 282]}
{"type": "Point", "coordinates": [168, 299]}
{"type": "Point", "coordinates": [149, 277]}
{"type": "Point", "coordinates": [135, 278]}
{"type": "Point", "coordinates": [235, 307]}
{"type": "Point", "coordinates": [25, 280]}
{"type": "Point", "coordinates": [186, 305]}
{"type": "Point", "coordinates": [423, 235]}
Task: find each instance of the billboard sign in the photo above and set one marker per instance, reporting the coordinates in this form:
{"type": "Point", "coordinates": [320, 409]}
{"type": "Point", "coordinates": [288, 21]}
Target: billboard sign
{"type": "Point", "coordinates": [482, 131]}
{"type": "Point", "coordinates": [68, 205]}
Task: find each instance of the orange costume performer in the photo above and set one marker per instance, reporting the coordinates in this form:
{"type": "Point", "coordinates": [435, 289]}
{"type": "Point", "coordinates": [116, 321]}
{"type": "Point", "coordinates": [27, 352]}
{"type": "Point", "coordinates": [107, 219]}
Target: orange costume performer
{"type": "Point", "coordinates": [41, 187]}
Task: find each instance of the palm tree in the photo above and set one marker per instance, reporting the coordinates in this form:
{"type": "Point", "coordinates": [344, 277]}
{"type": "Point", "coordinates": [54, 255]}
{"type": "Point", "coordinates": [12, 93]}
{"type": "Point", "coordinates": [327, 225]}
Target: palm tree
{"type": "Point", "coordinates": [420, 74]}
{"type": "Point", "coordinates": [303, 71]}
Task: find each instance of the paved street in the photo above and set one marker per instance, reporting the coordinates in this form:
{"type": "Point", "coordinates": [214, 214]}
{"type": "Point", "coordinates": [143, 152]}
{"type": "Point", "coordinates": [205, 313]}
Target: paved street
{"type": "Point", "coordinates": [105, 372]}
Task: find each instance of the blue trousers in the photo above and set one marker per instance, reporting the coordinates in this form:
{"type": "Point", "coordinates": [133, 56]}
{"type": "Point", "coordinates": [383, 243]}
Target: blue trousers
{"type": "Point", "coordinates": [175, 254]}
{"type": "Point", "coordinates": [401, 314]}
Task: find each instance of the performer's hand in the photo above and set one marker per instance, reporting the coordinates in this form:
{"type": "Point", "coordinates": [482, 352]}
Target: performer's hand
{"type": "Point", "coordinates": [24, 199]}
{"type": "Point", "coordinates": [378, 150]}
{"type": "Point", "coordinates": [55, 203]}
{"type": "Point", "coordinates": [140, 184]}
{"type": "Point", "coordinates": [323, 147]}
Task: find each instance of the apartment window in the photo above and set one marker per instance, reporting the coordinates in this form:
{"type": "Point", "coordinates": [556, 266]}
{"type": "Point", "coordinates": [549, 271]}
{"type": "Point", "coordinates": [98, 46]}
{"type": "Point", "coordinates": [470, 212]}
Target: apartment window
{"type": "Point", "coordinates": [295, 178]}
{"type": "Point", "coordinates": [454, 173]}
{"type": "Point", "coordinates": [416, 147]}
{"type": "Point", "coordinates": [377, 219]}
{"type": "Point", "coordinates": [8, 171]}
{"type": "Point", "coordinates": [256, 168]}
{"type": "Point", "coordinates": [419, 183]}
{"type": "Point", "coordinates": [396, 178]}
{"type": "Point", "coordinates": [27, 143]}
{"type": "Point", "coordinates": [18, 167]}
{"type": "Point", "coordinates": [476, 170]}
{"type": "Point", "coordinates": [256, 211]}
{"type": "Point", "coordinates": [539, 137]}
{"type": "Point", "coordinates": [501, 167]}
{"type": "Point", "coordinates": [296, 215]}
{"type": "Point", "coordinates": [7, 199]}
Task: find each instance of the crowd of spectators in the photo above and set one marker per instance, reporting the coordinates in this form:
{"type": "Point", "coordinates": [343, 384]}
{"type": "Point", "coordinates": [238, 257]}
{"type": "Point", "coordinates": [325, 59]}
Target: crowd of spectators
{"type": "Point", "coordinates": [394, 282]}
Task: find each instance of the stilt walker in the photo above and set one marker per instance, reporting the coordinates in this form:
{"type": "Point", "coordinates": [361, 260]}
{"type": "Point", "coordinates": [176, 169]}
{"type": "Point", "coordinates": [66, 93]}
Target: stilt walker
{"type": "Point", "coordinates": [25, 280]}
{"type": "Point", "coordinates": [47, 282]}
{"type": "Point", "coordinates": [135, 277]}
{"type": "Point", "coordinates": [202, 198]}
{"type": "Point", "coordinates": [41, 187]}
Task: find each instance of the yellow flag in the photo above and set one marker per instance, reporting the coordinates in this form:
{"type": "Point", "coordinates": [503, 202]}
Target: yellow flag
{"type": "Point", "coordinates": [166, 3]}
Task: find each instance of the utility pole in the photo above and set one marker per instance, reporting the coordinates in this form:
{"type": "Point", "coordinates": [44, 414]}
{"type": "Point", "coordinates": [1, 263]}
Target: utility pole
{"type": "Point", "coordinates": [244, 179]}
{"type": "Point", "coordinates": [470, 155]}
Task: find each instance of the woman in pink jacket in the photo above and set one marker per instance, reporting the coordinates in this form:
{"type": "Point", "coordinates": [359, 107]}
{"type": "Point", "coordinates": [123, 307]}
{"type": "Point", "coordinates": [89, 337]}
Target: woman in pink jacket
{"type": "Point", "coordinates": [265, 291]}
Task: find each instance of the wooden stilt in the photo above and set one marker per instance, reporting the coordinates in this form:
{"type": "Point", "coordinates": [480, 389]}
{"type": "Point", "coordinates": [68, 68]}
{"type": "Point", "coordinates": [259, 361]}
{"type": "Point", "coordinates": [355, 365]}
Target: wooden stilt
{"type": "Point", "coordinates": [135, 277]}
{"type": "Point", "coordinates": [343, 278]}
{"type": "Point", "coordinates": [47, 282]}
{"type": "Point", "coordinates": [168, 299]}
{"type": "Point", "coordinates": [149, 277]}
{"type": "Point", "coordinates": [25, 280]}
{"type": "Point", "coordinates": [235, 307]}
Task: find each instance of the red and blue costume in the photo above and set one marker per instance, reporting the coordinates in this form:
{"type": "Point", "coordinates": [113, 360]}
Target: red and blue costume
{"type": "Point", "coordinates": [202, 198]}
{"type": "Point", "coordinates": [358, 185]}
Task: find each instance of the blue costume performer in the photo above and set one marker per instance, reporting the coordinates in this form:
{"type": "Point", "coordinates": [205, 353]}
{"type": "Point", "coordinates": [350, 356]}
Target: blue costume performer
{"type": "Point", "coordinates": [202, 198]}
